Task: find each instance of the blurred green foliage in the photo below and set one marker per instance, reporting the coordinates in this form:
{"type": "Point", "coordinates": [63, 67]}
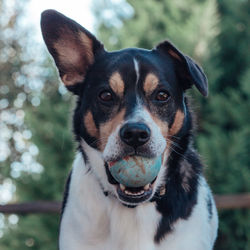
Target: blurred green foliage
{"type": "Point", "coordinates": [213, 32]}
{"type": "Point", "coordinates": [31, 88]}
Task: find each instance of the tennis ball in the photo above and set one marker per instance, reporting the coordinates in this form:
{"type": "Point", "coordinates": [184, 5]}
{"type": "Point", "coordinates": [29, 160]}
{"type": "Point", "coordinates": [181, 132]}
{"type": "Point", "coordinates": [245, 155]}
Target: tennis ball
{"type": "Point", "coordinates": [135, 171]}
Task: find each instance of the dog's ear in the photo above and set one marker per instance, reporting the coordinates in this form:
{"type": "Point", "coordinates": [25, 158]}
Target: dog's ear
{"type": "Point", "coordinates": [73, 48]}
{"type": "Point", "coordinates": [188, 71]}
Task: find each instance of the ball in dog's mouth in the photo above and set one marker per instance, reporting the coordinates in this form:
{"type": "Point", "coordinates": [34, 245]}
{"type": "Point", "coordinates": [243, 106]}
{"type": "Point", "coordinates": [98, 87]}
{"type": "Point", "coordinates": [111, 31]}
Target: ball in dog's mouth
{"type": "Point", "coordinates": [135, 176]}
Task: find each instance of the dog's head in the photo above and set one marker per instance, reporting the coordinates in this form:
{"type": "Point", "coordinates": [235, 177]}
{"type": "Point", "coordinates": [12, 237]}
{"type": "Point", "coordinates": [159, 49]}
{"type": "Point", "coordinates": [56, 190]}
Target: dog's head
{"type": "Point", "coordinates": [130, 102]}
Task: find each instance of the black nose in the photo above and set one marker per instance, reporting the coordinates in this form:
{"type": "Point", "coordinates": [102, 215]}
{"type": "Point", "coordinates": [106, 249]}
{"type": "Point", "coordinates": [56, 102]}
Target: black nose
{"type": "Point", "coordinates": [135, 134]}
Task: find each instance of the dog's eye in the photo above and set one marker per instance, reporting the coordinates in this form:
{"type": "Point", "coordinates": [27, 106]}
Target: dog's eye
{"type": "Point", "coordinates": [106, 96]}
{"type": "Point", "coordinates": [162, 96]}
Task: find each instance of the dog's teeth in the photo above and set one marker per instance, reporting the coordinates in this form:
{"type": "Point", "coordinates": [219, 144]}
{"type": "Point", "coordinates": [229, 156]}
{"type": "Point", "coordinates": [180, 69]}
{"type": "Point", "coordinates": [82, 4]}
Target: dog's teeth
{"type": "Point", "coordinates": [146, 187]}
{"type": "Point", "coordinates": [127, 192]}
{"type": "Point", "coordinates": [133, 194]}
{"type": "Point", "coordinates": [122, 187]}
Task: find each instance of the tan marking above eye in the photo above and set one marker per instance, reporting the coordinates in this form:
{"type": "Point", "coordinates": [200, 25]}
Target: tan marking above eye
{"type": "Point", "coordinates": [116, 83]}
{"type": "Point", "coordinates": [150, 83]}
{"type": "Point", "coordinates": [90, 125]}
{"type": "Point", "coordinates": [108, 127]}
{"type": "Point", "coordinates": [178, 122]}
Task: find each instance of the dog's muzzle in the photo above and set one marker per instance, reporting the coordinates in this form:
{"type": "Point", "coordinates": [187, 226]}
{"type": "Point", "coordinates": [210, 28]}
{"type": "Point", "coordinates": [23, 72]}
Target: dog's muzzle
{"type": "Point", "coordinates": [135, 150]}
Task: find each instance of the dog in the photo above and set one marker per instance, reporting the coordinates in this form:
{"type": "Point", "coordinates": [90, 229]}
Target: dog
{"type": "Point", "coordinates": [130, 102]}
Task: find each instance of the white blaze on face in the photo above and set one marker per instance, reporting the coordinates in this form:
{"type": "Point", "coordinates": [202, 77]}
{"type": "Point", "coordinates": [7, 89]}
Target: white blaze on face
{"type": "Point", "coordinates": [137, 72]}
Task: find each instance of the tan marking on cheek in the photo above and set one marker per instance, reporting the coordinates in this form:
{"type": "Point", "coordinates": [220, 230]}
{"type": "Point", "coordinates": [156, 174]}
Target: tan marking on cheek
{"type": "Point", "coordinates": [175, 55]}
{"type": "Point", "coordinates": [90, 125]}
{"type": "Point", "coordinates": [107, 128]}
{"type": "Point", "coordinates": [166, 132]}
{"type": "Point", "coordinates": [150, 83]}
{"type": "Point", "coordinates": [178, 122]}
{"type": "Point", "coordinates": [116, 83]}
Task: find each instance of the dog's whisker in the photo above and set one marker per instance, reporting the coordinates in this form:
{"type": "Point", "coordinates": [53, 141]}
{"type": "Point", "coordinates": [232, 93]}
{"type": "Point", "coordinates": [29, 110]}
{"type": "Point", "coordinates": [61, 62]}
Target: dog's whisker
{"type": "Point", "coordinates": [176, 137]}
{"type": "Point", "coordinates": [183, 155]}
{"type": "Point", "coordinates": [174, 143]}
{"type": "Point", "coordinates": [104, 139]}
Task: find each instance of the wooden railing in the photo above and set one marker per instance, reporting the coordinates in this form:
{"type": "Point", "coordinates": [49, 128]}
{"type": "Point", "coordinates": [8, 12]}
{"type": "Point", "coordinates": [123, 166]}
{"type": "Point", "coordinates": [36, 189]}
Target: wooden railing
{"type": "Point", "coordinates": [232, 201]}
{"type": "Point", "coordinates": [222, 201]}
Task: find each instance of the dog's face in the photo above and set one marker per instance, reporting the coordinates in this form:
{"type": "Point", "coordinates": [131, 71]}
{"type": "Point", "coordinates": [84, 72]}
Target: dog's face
{"type": "Point", "coordinates": [131, 102]}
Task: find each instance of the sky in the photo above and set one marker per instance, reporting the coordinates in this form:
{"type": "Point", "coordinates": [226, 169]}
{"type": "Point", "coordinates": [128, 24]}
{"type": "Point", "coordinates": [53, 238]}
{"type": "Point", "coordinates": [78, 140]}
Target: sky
{"type": "Point", "coordinates": [81, 13]}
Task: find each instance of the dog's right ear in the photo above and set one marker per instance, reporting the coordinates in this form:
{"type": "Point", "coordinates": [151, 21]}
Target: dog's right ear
{"type": "Point", "coordinates": [73, 48]}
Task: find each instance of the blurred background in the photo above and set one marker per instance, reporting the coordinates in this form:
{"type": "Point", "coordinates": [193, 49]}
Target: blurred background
{"type": "Point", "coordinates": [36, 146]}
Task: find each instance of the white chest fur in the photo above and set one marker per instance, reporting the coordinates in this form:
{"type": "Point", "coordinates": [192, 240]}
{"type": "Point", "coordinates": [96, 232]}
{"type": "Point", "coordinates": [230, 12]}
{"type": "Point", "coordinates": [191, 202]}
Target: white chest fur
{"type": "Point", "coordinates": [92, 221]}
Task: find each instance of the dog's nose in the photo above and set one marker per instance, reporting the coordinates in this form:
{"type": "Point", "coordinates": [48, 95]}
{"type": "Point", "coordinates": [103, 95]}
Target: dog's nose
{"type": "Point", "coordinates": [135, 134]}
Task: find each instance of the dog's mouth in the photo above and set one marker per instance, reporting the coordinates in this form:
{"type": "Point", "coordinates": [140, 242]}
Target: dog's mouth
{"type": "Point", "coordinates": [131, 196]}
{"type": "Point", "coordinates": [135, 195]}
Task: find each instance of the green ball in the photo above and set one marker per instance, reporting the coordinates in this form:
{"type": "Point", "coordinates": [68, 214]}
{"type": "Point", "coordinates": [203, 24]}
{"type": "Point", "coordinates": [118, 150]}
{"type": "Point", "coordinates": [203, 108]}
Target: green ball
{"type": "Point", "coordinates": [135, 171]}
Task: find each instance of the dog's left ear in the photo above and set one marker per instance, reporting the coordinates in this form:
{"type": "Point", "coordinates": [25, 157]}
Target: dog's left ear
{"type": "Point", "coordinates": [73, 48]}
{"type": "Point", "coordinates": [188, 71]}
